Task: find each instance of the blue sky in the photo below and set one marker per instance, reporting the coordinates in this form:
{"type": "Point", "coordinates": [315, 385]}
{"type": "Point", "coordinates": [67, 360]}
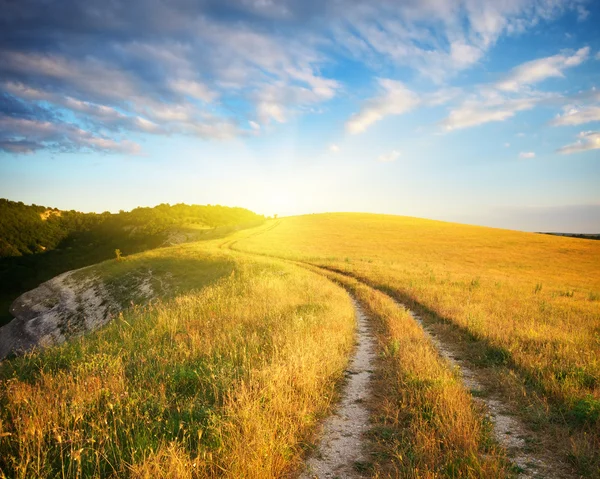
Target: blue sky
{"type": "Point", "coordinates": [474, 111]}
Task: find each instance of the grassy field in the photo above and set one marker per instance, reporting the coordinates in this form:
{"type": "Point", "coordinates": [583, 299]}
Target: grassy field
{"type": "Point", "coordinates": [425, 424]}
{"type": "Point", "coordinates": [229, 373]}
{"type": "Point", "coordinates": [226, 379]}
{"type": "Point", "coordinates": [527, 305]}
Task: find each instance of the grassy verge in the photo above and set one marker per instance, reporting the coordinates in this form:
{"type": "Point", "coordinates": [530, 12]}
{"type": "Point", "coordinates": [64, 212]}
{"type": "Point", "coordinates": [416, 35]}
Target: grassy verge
{"type": "Point", "coordinates": [228, 380]}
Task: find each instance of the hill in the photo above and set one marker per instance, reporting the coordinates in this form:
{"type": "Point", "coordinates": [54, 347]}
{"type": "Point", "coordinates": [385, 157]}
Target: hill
{"type": "Point", "coordinates": [219, 358]}
{"type": "Point", "coordinates": [523, 308]}
{"type": "Point", "coordinates": [28, 229]}
{"type": "Point", "coordinates": [38, 242]}
{"type": "Point", "coordinates": [224, 374]}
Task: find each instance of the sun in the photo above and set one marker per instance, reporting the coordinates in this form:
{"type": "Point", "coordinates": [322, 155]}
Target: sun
{"type": "Point", "coordinates": [280, 202]}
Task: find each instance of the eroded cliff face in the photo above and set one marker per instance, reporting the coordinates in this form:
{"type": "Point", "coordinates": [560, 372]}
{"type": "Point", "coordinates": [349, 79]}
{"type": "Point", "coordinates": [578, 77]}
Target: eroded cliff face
{"type": "Point", "coordinates": [64, 307]}
{"type": "Point", "coordinates": [55, 311]}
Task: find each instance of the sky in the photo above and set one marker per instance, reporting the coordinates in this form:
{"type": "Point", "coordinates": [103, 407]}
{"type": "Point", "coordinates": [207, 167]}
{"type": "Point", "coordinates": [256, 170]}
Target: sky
{"type": "Point", "coordinates": [476, 111]}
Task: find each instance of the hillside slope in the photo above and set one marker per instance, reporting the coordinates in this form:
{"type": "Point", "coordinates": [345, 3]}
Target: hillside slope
{"type": "Point", "coordinates": [220, 367]}
{"type": "Point", "coordinates": [224, 355]}
{"type": "Point", "coordinates": [38, 243]}
{"type": "Point", "coordinates": [524, 308]}
{"type": "Point", "coordinates": [80, 301]}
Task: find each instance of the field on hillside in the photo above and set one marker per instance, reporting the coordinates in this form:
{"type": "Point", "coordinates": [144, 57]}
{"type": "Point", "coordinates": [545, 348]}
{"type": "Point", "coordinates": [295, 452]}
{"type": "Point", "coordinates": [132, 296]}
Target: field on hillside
{"type": "Point", "coordinates": [229, 366]}
{"type": "Point", "coordinates": [526, 307]}
{"type": "Point", "coordinates": [38, 243]}
{"type": "Point", "coordinates": [226, 379]}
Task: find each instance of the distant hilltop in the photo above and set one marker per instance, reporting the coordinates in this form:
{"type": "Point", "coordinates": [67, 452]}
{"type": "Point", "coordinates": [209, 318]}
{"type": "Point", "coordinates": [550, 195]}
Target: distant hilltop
{"type": "Point", "coordinates": [573, 235]}
{"type": "Point", "coordinates": [38, 243]}
{"type": "Point", "coordinates": [28, 229]}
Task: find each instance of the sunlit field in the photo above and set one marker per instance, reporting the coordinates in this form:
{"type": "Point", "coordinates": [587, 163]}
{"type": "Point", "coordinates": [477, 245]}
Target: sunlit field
{"type": "Point", "coordinates": [231, 368]}
{"type": "Point", "coordinates": [425, 423]}
{"type": "Point", "coordinates": [525, 306]}
{"type": "Point", "coordinates": [227, 379]}
{"type": "Point", "coordinates": [196, 281]}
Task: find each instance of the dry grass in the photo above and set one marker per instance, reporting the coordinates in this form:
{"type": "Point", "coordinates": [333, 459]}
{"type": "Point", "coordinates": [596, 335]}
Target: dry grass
{"type": "Point", "coordinates": [425, 424]}
{"type": "Point", "coordinates": [230, 376]}
{"type": "Point", "coordinates": [228, 380]}
{"type": "Point", "coordinates": [532, 300]}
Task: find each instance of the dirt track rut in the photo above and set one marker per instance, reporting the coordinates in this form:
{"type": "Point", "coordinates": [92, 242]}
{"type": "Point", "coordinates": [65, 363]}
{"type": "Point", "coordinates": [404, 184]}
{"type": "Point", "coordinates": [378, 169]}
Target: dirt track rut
{"type": "Point", "coordinates": [341, 450]}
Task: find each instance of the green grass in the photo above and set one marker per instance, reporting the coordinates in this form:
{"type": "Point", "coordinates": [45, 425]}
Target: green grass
{"type": "Point", "coordinates": [226, 379]}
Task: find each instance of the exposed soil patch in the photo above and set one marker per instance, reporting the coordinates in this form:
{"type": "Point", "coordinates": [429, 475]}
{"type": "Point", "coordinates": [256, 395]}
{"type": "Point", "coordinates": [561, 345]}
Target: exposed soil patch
{"type": "Point", "coordinates": [340, 453]}
{"type": "Point", "coordinates": [68, 306]}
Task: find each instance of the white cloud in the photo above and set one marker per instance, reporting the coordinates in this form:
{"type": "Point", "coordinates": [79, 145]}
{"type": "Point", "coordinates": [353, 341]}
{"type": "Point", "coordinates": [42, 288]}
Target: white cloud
{"type": "Point", "coordinates": [394, 100]}
{"type": "Point", "coordinates": [477, 112]}
{"type": "Point", "coordinates": [26, 92]}
{"type": "Point", "coordinates": [500, 101]}
{"type": "Point", "coordinates": [389, 157]}
{"type": "Point", "coordinates": [21, 135]}
{"type": "Point", "coordinates": [155, 88]}
{"type": "Point", "coordinates": [538, 70]}
{"type": "Point", "coordinates": [270, 110]}
{"type": "Point", "coordinates": [334, 148]}
{"type": "Point", "coordinates": [101, 115]}
{"type": "Point", "coordinates": [464, 55]}
{"type": "Point", "coordinates": [322, 88]}
{"type": "Point", "coordinates": [88, 77]}
{"type": "Point", "coordinates": [198, 72]}
{"type": "Point", "coordinates": [193, 89]}
{"type": "Point", "coordinates": [588, 140]}
{"type": "Point", "coordinates": [575, 116]}
{"type": "Point", "coordinates": [168, 112]}
{"type": "Point", "coordinates": [106, 144]}
{"type": "Point", "coordinates": [438, 38]}
{"type": "Point", "coordinates": [146, 125]}
{"type": "Point", "coordinates": [442, 96]}
{"type": "Point", "coordinates": [527, 154]}
{"type": "Point", "coordinates": [582, 13]}
{"type": "Point", "coordinates": [214, 128]}
{"type": "Point", "coordinates": [506, 145]}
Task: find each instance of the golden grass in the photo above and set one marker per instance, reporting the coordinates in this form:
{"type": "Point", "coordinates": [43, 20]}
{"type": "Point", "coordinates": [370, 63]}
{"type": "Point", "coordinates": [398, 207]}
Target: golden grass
{"type": "Point", "coordinates": [229, 377]}
{"type": "Point", "coordinates": [534, 300]}
{"type": "Point", "coordinates": [225, 381]}
{"type": "Point", "coordinates": [425, 422]}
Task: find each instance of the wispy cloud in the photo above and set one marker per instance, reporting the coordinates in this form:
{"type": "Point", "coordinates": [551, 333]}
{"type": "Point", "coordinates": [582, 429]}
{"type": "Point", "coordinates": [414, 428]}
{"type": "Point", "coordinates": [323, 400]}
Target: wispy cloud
{"type": "Point", "coordinates": [587, 140]}
{"type": "Point", "coordinates": [334, 148]}
{"type": "Point", "coordinates": [573, 115]}
{"type": "Point", "coordinates": [20, 135]}
{"type": "Point", "coordinates": [535, 71]}
{"type": "Point", "coordinates": [180, 69]}
{"type": "Point", "coordinates": [394, 99]}
{"type": "Point", "coordinates": [485, 103]}
{"type": "Point", "coordinates": [477, 112]}
{"type": "Point", "coordinates": [527, 155]}
{"type": "Point", "coordinates": [437, 38]}
{"type": "Point", "coordinates": [389, 157]}
{"type": "Point", "coordinates": [499, 101]}
{"type": "Point", "coordinates": [225, 69]}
